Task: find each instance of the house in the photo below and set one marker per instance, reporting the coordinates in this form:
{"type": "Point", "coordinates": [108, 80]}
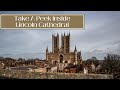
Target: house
{"type": "Point", "coordinates": [70, 68]}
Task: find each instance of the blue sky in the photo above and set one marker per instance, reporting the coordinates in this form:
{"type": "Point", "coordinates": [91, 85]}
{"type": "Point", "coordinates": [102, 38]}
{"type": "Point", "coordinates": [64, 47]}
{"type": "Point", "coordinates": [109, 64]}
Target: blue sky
{"type": "Point", "coordinates": [100, 36]}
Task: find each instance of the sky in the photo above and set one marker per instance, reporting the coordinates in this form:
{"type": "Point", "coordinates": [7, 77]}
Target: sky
{"type": "Point", "coordinates": [100, 36]}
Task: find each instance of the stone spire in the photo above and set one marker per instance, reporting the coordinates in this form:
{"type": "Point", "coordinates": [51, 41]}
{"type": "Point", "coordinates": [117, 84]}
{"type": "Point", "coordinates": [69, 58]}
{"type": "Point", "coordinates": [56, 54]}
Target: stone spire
{"type": "Point", "coordinates": [47, 49]}
{"type": "Point", "coordinates": [69, 33]}
{"type": "Point", "coordinates": [75, 48]}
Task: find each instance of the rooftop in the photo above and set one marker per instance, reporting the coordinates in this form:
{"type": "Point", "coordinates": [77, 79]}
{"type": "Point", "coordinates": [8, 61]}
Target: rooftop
{"type": "Point", "coordinates": [24, 67]}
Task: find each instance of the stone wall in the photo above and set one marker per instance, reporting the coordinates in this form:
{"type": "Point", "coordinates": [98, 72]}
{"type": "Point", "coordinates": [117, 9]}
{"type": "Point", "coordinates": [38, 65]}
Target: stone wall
{"type": "Point", "coordinates": [36, 75]}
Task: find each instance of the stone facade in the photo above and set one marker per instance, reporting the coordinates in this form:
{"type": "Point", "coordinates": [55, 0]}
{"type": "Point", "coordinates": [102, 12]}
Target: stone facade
{"type": "Point", "coordinates": [62, 54]}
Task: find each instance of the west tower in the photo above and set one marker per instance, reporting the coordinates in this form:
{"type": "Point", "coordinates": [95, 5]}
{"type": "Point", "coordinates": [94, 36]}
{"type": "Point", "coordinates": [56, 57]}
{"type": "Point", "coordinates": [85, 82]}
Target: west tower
{"type": "Point", "coordinates": [55, 43]}
{"type": "Point", "coordinates": [65, 43]}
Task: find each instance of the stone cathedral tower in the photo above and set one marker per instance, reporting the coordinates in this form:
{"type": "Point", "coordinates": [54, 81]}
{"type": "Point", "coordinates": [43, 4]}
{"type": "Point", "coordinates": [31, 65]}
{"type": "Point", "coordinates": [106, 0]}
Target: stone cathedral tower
{"type": "Point", "coordinates": [65, 43]}
{"type": "Point", "coordinates": [62, 54]}
{"type": "Point", "coordinates": [55, 43]}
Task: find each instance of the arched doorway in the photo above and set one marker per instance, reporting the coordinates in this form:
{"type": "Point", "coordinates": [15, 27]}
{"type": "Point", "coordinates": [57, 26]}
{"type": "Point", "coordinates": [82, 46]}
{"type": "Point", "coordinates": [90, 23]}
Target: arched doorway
{"type": "Point", "coordinates": [66, 62]}
{"type": "Point", "coordinates": [61, 58]}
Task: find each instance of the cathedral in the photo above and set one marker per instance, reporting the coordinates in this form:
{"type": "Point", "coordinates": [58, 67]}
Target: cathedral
{"type": "Point", "coordinates": [62, 54]}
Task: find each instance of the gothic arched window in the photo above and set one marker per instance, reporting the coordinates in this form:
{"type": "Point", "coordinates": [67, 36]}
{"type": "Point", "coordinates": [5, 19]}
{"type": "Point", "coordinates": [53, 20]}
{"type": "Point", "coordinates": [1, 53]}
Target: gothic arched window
{"type": "Point", "coordinates": [61, 58]}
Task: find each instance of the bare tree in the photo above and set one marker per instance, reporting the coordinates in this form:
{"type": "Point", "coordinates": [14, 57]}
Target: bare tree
{"type": "Point", "coordinates": [111, 63]}
{"type": "Point", "coordinates": [94, 60]}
